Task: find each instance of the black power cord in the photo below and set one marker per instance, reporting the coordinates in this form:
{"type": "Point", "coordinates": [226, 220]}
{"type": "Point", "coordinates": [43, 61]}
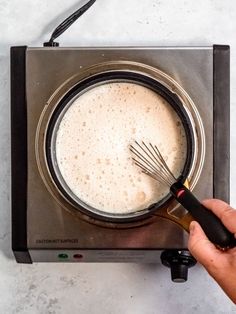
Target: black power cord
{"type": "Point", "coordinates": [67, 23]}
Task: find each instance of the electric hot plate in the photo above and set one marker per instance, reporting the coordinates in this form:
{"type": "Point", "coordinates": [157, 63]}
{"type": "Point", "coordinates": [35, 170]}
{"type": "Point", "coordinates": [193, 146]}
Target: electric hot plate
{"type": "Point", "coordinates": [47, 226]}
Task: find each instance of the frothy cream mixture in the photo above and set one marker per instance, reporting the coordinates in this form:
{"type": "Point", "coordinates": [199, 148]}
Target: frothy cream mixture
{"type": "Point", "coordinates": [92, 146]}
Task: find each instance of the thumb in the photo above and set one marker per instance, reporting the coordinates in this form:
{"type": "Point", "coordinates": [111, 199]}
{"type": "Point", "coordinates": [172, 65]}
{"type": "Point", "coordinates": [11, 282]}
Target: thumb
{"type": "Point", "coordinates": [200, 246]}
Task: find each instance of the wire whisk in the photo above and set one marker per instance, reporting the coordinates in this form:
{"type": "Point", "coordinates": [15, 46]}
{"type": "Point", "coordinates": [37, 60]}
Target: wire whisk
{"type": "Point", "coordinates": [150, 160]}
{"type": "Point", "coordinates": [152, 163]}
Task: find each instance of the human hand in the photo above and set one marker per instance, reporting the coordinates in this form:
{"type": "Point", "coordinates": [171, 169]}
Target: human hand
{"type": "Point", "coordinates": [221, 265]}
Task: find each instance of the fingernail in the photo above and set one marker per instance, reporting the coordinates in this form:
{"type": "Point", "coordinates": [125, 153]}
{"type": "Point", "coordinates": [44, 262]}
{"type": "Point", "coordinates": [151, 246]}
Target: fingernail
{"type": "Point", "coordinates": [192, 227]}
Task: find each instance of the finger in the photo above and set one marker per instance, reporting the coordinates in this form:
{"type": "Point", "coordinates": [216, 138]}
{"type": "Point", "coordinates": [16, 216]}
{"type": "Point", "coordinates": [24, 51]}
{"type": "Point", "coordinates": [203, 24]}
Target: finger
{"type": "Point", "coordinates": [224, 211]}
{"type": "Point", "coordinates": [201, 248]}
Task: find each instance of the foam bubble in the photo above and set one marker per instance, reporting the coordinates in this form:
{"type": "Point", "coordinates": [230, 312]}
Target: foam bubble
{"type": "Point", "coordinates": [141, 196]}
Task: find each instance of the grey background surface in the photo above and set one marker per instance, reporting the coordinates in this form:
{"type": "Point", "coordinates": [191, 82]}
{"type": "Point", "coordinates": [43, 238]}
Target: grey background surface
{"type": "Point", "coordinates": [107, 288]}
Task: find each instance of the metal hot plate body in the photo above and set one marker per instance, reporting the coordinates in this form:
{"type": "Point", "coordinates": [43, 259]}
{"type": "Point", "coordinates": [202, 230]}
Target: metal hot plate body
{"type": "Point", "coordinates": [43, 230]}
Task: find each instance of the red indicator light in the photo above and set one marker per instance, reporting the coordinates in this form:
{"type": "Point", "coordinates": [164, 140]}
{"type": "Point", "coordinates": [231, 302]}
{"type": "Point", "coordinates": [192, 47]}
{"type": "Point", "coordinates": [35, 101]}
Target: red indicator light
{"type": "Point", "coordinates": [78, 256]}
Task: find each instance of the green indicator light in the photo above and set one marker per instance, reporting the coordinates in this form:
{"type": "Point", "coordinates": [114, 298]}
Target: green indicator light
{"type": "Point", "coordinates": [62, 256]}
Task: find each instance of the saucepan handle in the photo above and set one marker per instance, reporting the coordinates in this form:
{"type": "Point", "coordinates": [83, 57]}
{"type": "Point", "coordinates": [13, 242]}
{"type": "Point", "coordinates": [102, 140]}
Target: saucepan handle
{"type": "Point", "coordinates": [211, 224]}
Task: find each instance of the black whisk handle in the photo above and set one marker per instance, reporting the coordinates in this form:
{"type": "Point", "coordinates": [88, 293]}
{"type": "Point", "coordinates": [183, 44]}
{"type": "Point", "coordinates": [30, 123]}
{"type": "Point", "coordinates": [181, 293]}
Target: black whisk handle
{"type": "Point", "coordinates": [211, 224]}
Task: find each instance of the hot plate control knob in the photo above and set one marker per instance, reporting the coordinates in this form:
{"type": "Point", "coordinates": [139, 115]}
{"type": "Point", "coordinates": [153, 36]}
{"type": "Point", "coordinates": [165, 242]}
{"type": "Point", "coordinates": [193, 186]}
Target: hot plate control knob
{"type": "Point", "coordinates": [178, 262]}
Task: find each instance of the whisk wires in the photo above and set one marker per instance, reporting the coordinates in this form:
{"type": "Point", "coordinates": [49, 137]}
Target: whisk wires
{"type": "Point", "coordinates": [152, 163]}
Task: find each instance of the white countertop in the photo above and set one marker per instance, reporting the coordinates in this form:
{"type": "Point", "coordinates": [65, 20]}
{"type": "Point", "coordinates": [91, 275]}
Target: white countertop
{"type": "Point", "coordinates": [107, 288]}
